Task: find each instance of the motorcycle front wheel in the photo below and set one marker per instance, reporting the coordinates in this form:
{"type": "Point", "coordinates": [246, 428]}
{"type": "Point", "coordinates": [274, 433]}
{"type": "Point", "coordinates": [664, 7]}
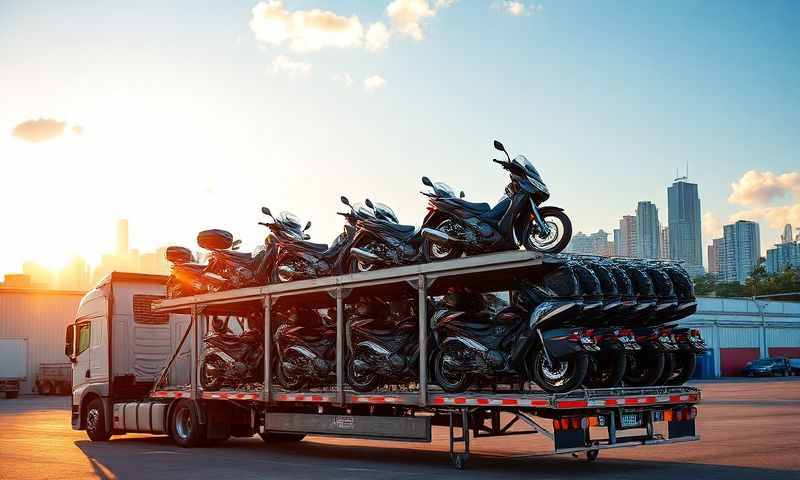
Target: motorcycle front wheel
{"type": "Point", "coordinates": [435, 252]}
{"type": "Point", "coordinates": [361, 383]}
{"type": "Point", "coordinates": [211, 372]}
{"type": "Point", "coordinates": [563, 375]}
{"type": "Point", "coordinates": [450, 381]}
{"type": "Point", "coordinates": [684, 367]}
{"type": "Point", "coordinates": [558, 237]}
{"type": "Point", "coordinates": [286, 380]}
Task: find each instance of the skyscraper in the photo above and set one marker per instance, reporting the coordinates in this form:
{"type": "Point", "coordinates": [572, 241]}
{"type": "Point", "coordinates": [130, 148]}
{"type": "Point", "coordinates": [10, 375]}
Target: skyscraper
{"type": "Point", "coordinates": [627, 232]}
{"type": "Point", "coordinates": [617, 242]}
{"type": "Point", "coordinates": [592, 244]}
{"type": "Point", "coordinates": [788, 235]}
{"type": "Point", "coordinates": [742, 250]}
{"type": "Point", "coordinates": [647, 232]}
{"type": "Point", "coordinates": [716, 255]}
{"type": "Point", "coordinates": [684, 225]}
{"type": "Point", "coordinates": [664, 243]}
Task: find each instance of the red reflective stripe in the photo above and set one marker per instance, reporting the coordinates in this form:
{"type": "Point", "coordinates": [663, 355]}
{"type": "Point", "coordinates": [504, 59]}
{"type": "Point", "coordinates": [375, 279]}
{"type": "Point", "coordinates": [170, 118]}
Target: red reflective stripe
{"type": "Point", "coordinates": [610, 402]}
{"type": "Point", "coordinates": [299, 398]}
{"type": "Point", "coordinates": [316, 398]}
{"type": "Point", "coordinates": [460, 400]}
{"type": "Point", "coordinates": [539, 403]}
{"type": "Point", "coordinates": [438, 400]}
{"type": "Point", "coordinates": [484, 401]}
{"type": "Point", "coordinates": [573, 404]}
{"type": "Point", "coordinates": [509, 401]}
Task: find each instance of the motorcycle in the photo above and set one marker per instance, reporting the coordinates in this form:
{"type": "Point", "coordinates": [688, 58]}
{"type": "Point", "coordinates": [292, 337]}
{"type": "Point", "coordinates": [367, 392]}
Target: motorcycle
{"type": "Point", "coordinates": [454, 226]}
{"type": "Point", "coordinates": [227, 267]}
{"type": "Point", "coordinates": [524, 341]}
{"type": "Point", "coordinates": [381, 242]}
{"type": "Point", "coordinates": [306, 348]}
{"type": "Point", "coordinates": [232, 360]}
{"type": "Point", "coordinates": [382, 339]}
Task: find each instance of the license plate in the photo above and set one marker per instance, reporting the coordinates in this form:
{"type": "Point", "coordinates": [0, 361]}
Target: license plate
{"type": "Point", "coordinates": [630, 420]}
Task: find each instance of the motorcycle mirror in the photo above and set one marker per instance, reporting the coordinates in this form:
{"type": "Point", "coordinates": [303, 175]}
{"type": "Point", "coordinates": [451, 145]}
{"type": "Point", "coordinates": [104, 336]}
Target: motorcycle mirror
{"type": "Point", "coordinates": [462, 194]}
{"type": "Point", "coordinates": [235, 245]}
{"type": "Point", "coordinates": [266, 211]}
{"type": "Point", "coordinates": [499, 146]}
{"type": "Point", "coordinates": [368, 202]}
{"type": "Point", "coordinates": [345, 200]}
{"type": "Point", "coordinates": [308, 225]}
{"type": "Point", "coordinates": [427, 181]}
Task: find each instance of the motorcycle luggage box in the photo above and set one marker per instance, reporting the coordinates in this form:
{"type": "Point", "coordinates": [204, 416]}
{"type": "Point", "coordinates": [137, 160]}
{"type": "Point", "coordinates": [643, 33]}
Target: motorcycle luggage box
{"type": "Point", "coordinates": [215, 239]}
{"type": "Point", "coordinates": [176, 254]}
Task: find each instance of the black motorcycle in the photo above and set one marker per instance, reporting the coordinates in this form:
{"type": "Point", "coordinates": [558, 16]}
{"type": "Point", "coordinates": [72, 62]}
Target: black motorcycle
{"type": "Point", "coordinates": [231, 360]}
{"type": "Point", "coordinates": [524, 341]}
{"type": "Point", "coordinates": [227, 268]}
{"type": "Point", "coordinates": [382, 338]}
{"type": "Point", "coordinates": [454, 226]}
{"type": "Point", "coordinates": [306, 348]}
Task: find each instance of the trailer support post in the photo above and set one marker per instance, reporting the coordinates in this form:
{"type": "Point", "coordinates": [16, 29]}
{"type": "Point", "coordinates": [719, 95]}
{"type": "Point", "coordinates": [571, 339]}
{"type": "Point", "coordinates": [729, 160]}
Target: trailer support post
{"type": "Point", "coordinates": [422, 312]}
{"type": "Point", "coordinates": [266, 394]}
{"type": "Point", "coordinates": [339, 347]}
{"type": "Point", "coordinates": [459, 459]}
{"type": "Point", "coordinates": [194, 354]}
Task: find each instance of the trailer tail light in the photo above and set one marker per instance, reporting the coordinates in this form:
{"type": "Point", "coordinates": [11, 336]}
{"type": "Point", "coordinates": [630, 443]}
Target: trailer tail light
{"type": "Point", "coordinates": [574, 423]}
{"type": "Point", "coordinates": [681, 414]}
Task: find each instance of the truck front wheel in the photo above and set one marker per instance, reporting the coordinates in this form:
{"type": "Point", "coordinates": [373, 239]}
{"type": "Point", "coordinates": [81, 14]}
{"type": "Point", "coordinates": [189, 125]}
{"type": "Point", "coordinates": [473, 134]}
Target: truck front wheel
{"type": "Point", "coordinates": [185, 427]}
{"type": "Point", "coordinates": [96, 421]}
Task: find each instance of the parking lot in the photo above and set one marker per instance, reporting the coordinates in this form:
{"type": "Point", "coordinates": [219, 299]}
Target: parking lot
{"type": "Point", "coordinates": [749, 428]}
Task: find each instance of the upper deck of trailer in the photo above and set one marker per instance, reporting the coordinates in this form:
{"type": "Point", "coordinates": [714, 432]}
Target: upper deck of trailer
{"type": "Point", "coordinates": [488, 272]}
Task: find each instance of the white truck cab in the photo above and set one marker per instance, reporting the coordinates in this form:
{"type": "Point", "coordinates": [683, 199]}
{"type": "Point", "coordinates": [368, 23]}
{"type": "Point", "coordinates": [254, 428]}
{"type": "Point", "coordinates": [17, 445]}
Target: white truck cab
{"type": "Point", "coordinates": [118, 346]}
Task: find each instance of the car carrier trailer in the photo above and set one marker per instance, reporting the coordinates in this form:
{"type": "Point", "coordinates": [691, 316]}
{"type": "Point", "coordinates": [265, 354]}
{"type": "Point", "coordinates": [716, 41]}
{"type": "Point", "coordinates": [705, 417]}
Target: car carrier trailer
{"type": "Point", "coordinates": [581, 421]}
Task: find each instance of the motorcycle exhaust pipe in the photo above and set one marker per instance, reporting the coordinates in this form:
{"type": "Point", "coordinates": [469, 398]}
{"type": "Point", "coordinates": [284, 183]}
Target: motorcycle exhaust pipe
{"type": "Point", "coordinates": [437, 236]}
{"type": "Point", "coordinates": [365, 256]}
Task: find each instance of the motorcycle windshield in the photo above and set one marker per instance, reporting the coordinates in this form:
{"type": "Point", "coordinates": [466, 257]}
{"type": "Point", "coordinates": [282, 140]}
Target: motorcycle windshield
{"type": "Point", "coordinates": [362, 211]}
{"type": "Point", "coordinates": [530, 171]}
{"type": "Point", "coordinates": [289, 219]}
{"type": "Point", "coordinates": [384, 211]}
{"type": "Point", "coordinates": [442, 189]}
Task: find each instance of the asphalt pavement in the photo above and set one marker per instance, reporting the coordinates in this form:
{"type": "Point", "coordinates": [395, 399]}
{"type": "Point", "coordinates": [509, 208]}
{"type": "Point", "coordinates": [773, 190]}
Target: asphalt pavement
{"type": "Point", "coordinates": [749, 429]}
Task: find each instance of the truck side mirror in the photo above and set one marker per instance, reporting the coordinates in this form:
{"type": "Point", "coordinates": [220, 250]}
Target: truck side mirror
{"type": "Point", "coordinates": [69, 343]}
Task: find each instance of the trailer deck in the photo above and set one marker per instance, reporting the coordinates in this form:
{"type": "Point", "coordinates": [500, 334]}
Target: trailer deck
{"type": "Point", "coordinates": [413, 410]}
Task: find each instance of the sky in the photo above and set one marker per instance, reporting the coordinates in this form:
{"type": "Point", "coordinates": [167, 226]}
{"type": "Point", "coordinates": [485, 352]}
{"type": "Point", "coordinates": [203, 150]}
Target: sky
{"type": "Point", "coordinates": [182, 116]}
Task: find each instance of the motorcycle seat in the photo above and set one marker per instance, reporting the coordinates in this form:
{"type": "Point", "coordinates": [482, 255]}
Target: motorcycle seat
{"type": "Point", "coordinates": [316, 247]}
{"type": "Point", "coordinates": [198, 267]}
{"type": "Point", "coordinates": [471, 206]}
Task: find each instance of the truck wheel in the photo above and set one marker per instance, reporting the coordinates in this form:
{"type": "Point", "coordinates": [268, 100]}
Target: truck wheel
{"type": "Point", "coordinates": [13, 394]}
{"type": "Point", "coordinates": [270, 437]}
{"type": "Point", "coordinates": [96, 421]}
{"type": "Point", "coordinates": [185, 427]}
{"type": "Point", "coordinates": [46, 388]}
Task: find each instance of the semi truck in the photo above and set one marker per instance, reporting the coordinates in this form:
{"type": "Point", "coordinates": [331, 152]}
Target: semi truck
{"type": "Point", "coordinates": [136, 369]}
{"type": "Point", "coordinates": [13, 365]}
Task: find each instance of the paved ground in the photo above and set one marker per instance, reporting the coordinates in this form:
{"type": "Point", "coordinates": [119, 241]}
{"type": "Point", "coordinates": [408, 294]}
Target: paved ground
{"type": "Point", "coordinates": [750, 429]}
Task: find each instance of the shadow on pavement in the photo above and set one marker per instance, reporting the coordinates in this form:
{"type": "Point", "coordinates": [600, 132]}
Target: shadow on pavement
{"type": "Point", "coordinates": [245, 458]}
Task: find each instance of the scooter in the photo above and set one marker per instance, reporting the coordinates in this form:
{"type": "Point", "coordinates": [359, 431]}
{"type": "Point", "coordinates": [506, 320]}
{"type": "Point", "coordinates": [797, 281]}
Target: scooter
{"type": "Point", "coordinates": [232, 360]}
{"type": "Point", "coordinates": [306, 348]}
{"type": "Point", "coordinates": [454, 226]}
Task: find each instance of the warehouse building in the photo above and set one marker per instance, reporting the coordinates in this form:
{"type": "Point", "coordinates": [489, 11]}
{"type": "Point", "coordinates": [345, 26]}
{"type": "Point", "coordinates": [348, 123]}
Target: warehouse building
{"type": "Point", "coordinates": [41, 317]}
{"type": "Point", "coordinates": [738, 330]}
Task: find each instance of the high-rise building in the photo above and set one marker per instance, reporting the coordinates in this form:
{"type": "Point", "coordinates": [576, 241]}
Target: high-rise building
{"type": "Point", "coordinates": [664, 243]}
{"type": "Point", "coordinates": [788, 235]}
{"type": "Point", "coordinates": [579, 243]}
{"type": "Point", "coordinates": [716, 255]}
{"type": "Point", "coordinates": [742, 250]}
{"type": "Point", "coordinates": [122, 237]}
{"type": "Point", "coordinates": [647, 234]}
{"type": "Point", "coordinates": [627, 233]}
{"type": "Point", "coordinates": [685, 231]}
{"type": "Point", "coordinates": [617, 242]}
{"type": "Point", "coordinates": [592, 244]}
{"type": "Point", "coordinates": [784, 255]}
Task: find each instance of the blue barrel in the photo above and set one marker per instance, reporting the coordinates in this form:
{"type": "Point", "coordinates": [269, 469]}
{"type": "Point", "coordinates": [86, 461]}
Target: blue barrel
{"type": "Point", "coordinates": [705, 366]}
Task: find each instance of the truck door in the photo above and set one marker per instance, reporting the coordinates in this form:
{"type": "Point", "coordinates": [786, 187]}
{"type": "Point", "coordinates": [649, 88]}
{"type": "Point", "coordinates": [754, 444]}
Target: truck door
{"type": "Point", "coordinates": [81, 372]}
{"type": "Point", "coordinates": [98, 360]}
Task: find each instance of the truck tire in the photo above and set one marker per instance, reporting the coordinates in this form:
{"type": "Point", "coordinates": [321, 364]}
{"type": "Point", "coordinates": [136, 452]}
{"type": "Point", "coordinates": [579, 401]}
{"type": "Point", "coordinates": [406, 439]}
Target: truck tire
{"type": "Point", "coordinates": [270, 437]}
{"type": "Point", "coordinates": [96, 421]}
{"type": "Point", "coordinates": [185, 427]}
{"type": "Point", "coordinates": [13, 394]}
{"type": "Point", "coordinates": [46, 387]}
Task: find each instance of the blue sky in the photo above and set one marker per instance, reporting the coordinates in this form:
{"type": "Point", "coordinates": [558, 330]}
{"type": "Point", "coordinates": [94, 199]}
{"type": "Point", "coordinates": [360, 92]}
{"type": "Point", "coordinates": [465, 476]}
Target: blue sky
{"type": "Point", "coordinates": [187, 123]}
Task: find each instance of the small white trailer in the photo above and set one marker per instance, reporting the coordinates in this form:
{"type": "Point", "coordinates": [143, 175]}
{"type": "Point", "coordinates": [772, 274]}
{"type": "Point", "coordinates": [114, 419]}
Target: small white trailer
{"type": "Point", "coordinates": [13, 365]}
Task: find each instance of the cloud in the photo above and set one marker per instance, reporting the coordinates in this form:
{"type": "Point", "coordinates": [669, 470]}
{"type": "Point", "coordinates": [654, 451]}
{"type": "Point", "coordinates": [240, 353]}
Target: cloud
{"type": "Point", "coordinates": [759, 188]}
{"type": "Point", "coordinates": [39, 130]}
{"type": "Point", "coordinates": [377, 37]}
{"type": "Point", "coordinates": [344, 78]}
{"type": "Point", "coordinates": [304, 30]}
{"type": "Point", "coordinates": [407, 16]}
{"type": "Point", "coordinates": [374, 82]}
{"type": "Point", "coordinates": [776, 217]}
{"type": "Point", "coordinates": [518, 8]}
{"type": "Point", "coordinates": [712, 226]}
{"type": "Point", "coordinates": [284, 64]}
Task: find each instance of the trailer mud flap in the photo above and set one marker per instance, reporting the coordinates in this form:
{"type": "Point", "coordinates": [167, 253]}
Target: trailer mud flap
{"type": "Point", "coordinates": [406, 429]}
{"type": "Point", "coordinates": [681, 428]}
{"type": "Point", "coordinates": [570, 439]}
